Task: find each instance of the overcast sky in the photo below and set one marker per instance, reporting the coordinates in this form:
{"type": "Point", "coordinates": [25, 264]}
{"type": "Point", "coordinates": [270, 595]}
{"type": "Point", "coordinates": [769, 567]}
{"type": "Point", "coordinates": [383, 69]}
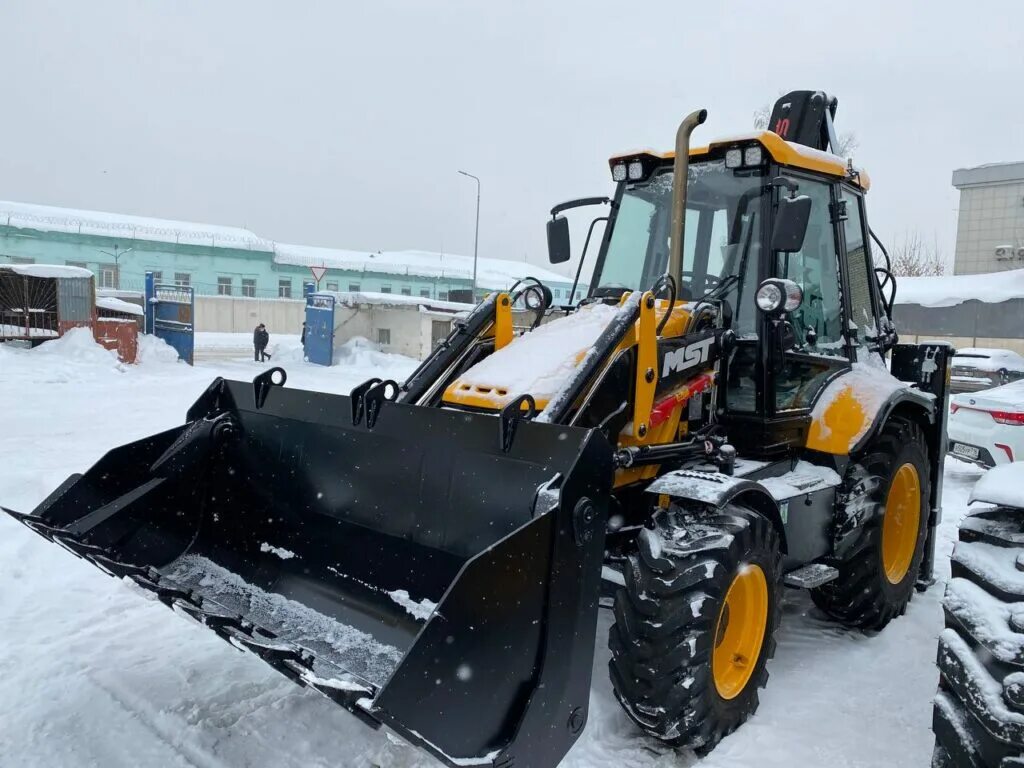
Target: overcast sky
{"type": "Point", "coordinates": [344, 126]}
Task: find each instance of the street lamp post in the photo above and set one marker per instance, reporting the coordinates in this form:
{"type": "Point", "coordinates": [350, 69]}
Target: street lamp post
{"type": "Point", "coordinates": [117, 262]}
{"type": "Point", "coordinates": [476, 235]}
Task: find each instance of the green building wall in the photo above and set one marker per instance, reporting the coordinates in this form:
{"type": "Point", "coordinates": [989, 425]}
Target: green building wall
{"type": "Point", "coordinates": [204, 266]}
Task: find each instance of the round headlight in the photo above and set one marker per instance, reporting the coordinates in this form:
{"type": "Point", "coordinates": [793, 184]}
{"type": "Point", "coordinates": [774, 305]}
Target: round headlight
{"type": "Point", "coordinates": [769, 297]}
{"type": "Point", "coordinates": [794, 295]}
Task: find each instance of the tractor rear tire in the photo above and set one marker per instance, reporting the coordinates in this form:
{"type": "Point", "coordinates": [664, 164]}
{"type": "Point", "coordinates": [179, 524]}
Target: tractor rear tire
{"type": "Point", "coordinates": [695, 623]}
{"type": "Point", "coordinates": [978, 716]}
{"type": "Point", "coordinates": [882, 515]}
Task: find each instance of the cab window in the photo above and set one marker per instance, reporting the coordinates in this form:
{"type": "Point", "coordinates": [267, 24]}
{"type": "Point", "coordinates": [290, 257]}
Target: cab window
{"type": "Point", "coordinates": [814, 337]}
{"type": "Point", "coordinates": [817, 324]}
{"type": "Point", "coordinates": [861, 276]}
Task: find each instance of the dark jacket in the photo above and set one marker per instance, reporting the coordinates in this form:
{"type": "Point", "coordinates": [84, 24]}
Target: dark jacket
{"type": "Point", "coordinates": [260, 338]}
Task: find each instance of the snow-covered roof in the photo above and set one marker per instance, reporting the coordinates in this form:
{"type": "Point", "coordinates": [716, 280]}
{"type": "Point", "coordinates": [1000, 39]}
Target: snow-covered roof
{"type": "Point", "coordinates": [117, 305]}
{"type": "Point", "coordinates": [47, 218]}
{"type": "Point", "coordinates": [492, 274]}
{"type": "Point", "coordinates": [950, 290]}
{"type": "Point", "coordinates": [47, 270]}
{"type": "Point", "coordinates": [363, 298]}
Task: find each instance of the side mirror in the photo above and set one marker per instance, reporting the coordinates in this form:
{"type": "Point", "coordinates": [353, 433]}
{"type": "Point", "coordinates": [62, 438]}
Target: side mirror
{"type": "Point", "coordinates": [791, 219]}
{"type": "Point", "coordinates": [559, 249]}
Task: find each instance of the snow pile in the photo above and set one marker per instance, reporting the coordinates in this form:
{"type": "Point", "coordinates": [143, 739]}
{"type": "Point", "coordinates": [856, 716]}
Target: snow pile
{"type": "Point", "coordinates": [360, 352]}
{"type": "Point", "coordinates": [284, 554]}
{"type": "Point", "coordinates": [292, 622]}
{"type": "Point", "coordinates": [155, 350]}
{"type": "Point", "coordinates": [417, 609]}
{"type": "Point", "coordinates": [950, 290]}
{"type": "Point", "coordinates": [78, 345]}
{"type": "Point", "coordinates": [539, 362]}
{"type": "Point", "coordinates": [47, 270]}
{"type": "Point", "coordinates": [1003, 486]}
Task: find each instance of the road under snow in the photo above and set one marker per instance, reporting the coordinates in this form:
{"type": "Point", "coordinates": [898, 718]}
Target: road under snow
{"type": "Point", "coordinates": [94, 674]}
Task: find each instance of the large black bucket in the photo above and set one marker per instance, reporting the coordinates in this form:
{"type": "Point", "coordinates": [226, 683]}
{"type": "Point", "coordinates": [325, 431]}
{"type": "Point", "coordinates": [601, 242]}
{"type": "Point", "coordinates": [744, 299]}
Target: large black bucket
{"type": "Point", "coordinates": [398, 559]}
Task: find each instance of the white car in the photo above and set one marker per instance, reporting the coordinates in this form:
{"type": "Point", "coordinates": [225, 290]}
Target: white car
{"type": "Point", "coordinates": [977, 368]}
{"type": "Point", "coordinates": [987, 428]}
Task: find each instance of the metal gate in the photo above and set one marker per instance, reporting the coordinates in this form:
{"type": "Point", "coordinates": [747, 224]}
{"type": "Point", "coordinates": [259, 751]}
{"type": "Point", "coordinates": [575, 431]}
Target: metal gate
{"type": "Point", "coordinates": [319, 347]}
{"type": "Point", "coordinates": [170, 315]}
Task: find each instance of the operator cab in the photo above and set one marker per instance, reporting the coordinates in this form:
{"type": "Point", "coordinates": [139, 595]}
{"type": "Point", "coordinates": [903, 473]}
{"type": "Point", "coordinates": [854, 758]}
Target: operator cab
{"type": "Point", "coordinates": [758, 208]}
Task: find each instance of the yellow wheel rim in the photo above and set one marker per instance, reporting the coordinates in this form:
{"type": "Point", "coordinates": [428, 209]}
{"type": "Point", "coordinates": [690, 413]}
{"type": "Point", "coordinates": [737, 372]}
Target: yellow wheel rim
{"type": "Point", "coordinates": [901, 523]}
{"type": "Point", "coordinates": [739, 631]}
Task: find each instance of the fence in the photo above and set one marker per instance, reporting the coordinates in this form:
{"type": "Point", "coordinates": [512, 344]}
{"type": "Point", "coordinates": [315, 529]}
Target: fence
{"type": "Point", "coordinates": [970, 324]}
{"type": "Point", "coordinates": [236, 314]}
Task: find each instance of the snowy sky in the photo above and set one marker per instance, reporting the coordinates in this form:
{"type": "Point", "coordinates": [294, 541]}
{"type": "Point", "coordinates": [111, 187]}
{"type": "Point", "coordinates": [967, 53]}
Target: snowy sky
{"type": "Point", "coordinates": [314, 123]}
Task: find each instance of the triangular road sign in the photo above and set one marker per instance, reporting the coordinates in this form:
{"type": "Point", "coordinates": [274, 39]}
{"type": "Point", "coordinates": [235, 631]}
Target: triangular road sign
{"type": "Point", "coordinates": [318, 273]}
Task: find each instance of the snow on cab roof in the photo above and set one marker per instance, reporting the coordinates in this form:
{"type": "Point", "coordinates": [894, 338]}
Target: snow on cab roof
{"type": "Point", "coordinates": [950, 290]}
{"type": "Point", "coordinates": [492, 274]}
{"type": "Point", "coordinates": [46, 270]}
{"type": "Point", "coordinates": [48, 218]}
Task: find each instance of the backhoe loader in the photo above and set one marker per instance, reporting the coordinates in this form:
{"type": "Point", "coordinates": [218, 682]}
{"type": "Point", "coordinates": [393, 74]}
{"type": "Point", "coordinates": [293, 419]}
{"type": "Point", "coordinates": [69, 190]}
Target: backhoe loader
{"type": "Point", "coordinates": [714, 422]}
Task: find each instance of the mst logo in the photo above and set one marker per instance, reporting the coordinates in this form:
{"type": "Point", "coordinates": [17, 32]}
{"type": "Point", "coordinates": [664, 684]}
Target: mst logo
{"type": "Point", "coordinates": [687, 357]}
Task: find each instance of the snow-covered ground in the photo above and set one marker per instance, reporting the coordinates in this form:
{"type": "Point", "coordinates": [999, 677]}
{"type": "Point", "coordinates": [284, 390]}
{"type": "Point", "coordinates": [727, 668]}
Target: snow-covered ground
{"type": "Point", "coordinates": [93, 674]}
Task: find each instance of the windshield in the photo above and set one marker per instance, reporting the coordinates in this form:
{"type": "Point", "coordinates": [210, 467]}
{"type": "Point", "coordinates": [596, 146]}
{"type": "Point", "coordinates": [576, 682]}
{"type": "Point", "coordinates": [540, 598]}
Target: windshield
{"type": "Point", "coordinates": [723, 216]}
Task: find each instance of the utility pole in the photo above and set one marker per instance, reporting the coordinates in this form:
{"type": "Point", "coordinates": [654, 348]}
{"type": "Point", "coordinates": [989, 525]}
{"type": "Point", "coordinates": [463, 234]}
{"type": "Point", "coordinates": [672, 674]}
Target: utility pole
{"type": "Point", "coordinates": [476, 235]}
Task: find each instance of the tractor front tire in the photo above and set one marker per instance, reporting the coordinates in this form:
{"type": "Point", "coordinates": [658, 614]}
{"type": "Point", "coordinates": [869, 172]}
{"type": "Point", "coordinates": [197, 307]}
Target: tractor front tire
{"type": "Point", "coordinates": [882, 513]}
{"type": "Point", "coordinates": [695, 623]}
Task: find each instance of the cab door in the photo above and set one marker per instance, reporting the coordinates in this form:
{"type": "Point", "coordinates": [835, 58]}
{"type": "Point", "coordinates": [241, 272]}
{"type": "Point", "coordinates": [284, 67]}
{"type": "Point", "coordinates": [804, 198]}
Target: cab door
{"type": "Point", "coordinates": [816, 347]}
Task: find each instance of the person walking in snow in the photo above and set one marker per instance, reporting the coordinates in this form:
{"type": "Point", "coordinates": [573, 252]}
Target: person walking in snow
{"type": "Point", "coordinates": [302, 340]}
{"type": "Point", "coordinates": [260, 339]}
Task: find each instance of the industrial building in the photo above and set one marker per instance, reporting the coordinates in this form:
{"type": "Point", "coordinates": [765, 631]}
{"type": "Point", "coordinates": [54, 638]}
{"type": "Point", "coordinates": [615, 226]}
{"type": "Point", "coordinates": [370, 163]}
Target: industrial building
{"type": "Point", "coordinates": [231, 261]}
{"type": "Point", "coordinates": [990, 226]}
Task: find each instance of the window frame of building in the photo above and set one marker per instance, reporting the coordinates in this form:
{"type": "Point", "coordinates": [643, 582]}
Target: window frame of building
{"type": "Point", "coordinates": [385, 289]}
{"type": "Point", "coordinates": [353, 287]}
{"type": "Point", "coordinates": [22, 260]}
{"type": "Point", "coordinates": [79, 264]}
{"type": "Point", "coordinates": [183, 279]}
{"type": "Point", "coordinates": [442, 295]}
{"type": "Point", "coordinates": [249, 287]}
{"type": "Point", "coordinates": [284, 288]}
{"type": "Point", "coordinates": [406, 290]}
{"type": "Point", "coordinates": [332, 285]}
{"type": "Point", "coordinates": [107, 277]}
{"type": "Point", "coordinates": [224, 285]}
{"type": "Point", "coordinates": [424, 293]}
{"type": "Point", "coordinates": [384, 337]}
{"type": "Point", "coordinates": [439, 330]}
